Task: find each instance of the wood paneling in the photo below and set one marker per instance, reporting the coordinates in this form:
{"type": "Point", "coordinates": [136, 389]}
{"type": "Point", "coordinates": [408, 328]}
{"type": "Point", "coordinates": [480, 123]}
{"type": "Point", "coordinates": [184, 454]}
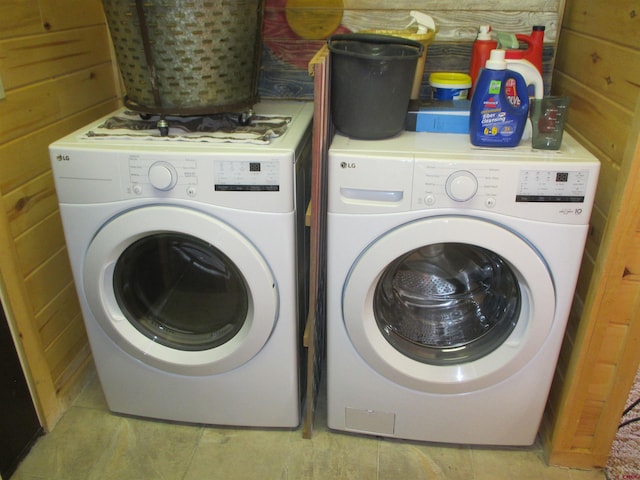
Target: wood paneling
{"type": "Point", "coordinates": [27, 157]}
{"type": "Point", "coordinates": [615, 21]}
{"type": "Point", "coordinates": [601, 66]}
{"type": "Point", "coordinates": [19, 17]}
{"type": "Point", "coordinates": [32, 251]}
{"type": "Point", "coordinates": [38, 105]}
{"type": "Point", "coordinates": [57, 72]}
{"type": "Point", "coordinates": [26, 60]}
{"type": "Point", "coordinates": [31, 203]}
{"type": "Point", "coordinates": [604, 122]}
{"type": "Point", "coordinates": [598, 67]}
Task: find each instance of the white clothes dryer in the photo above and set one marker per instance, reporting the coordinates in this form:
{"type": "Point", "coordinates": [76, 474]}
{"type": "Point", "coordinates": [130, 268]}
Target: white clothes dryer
{"type": "Point", "coordinates": [190, 261]}
{"type": "Point", "coordinates": [451, 272]}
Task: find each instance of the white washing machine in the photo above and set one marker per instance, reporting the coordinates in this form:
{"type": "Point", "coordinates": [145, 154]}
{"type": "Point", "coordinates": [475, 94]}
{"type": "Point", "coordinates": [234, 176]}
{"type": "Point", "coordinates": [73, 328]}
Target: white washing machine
{"type": "Point", "coordinates": [189, 262]}
{"type": "Point", "coordinates": [451, 272]}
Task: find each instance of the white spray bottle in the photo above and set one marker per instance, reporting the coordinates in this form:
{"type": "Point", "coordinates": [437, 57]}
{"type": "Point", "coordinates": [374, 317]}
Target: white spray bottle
{"type": "Point", "coordinates": [424, 21]}
{"type": "Point", "coordinates": [425, 24]}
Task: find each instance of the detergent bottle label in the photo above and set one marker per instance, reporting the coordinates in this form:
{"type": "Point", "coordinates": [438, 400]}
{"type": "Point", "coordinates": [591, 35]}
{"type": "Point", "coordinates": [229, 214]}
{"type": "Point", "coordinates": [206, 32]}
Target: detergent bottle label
{"type": "Point", "coordinates": [494, 121]}
{"type": "Point", "coordinates": [511, 92]}
{"type": "Point", "coordinates": [495, 87]}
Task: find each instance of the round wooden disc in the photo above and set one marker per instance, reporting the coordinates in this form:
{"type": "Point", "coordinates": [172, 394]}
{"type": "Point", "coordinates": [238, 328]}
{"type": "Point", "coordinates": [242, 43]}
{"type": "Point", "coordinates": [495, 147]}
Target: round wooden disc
{"type": "Point", "coordinates": [314, 19]}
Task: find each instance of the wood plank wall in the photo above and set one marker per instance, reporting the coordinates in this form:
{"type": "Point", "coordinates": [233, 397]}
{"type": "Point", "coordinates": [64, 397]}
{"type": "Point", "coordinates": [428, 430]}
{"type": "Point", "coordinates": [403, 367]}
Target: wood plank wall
{"type": "Point", "coordinates": [57, 72]}
{"type": "Point", "coordinates": [598, 65]}
{"type": "Point", "coordinates": [286, 54]}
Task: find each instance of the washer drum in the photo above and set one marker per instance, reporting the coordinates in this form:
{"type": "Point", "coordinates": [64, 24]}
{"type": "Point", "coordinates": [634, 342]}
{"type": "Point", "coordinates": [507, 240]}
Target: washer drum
{"type": "Point", "coordinates": [187, 56]}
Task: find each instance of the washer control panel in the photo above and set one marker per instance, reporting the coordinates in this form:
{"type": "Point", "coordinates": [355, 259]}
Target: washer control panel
{"type": "Point", "coordinates": [542, 186]}
{"type": "Point", "coordinates": [461, 186]}
{"type": "Point", "coordinates": [443, 174]}
{"type": "Point", "coordinates": [555, 193]}
{"type": "Point", "coordinates": [443, 185]}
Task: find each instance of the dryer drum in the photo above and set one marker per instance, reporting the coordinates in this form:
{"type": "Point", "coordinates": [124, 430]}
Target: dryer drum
{"type": "Point", "coordinates": [447, 303]}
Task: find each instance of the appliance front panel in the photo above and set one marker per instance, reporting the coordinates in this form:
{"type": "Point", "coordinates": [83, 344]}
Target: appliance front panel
{"type": "Point", "coordinates": [558, 189]}
{"type": "Point", "coordinates": [448, 304]}
{"type": "Point", "coordinates": [261, 182]}
{"type": "Point", "coordinates": [180, 290]}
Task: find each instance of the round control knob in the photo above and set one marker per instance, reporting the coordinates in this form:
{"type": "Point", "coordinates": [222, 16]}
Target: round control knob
{"type": "Point", "coordinates": [461, 186]}
{"type": "Point", "coordinates": [163, 176]}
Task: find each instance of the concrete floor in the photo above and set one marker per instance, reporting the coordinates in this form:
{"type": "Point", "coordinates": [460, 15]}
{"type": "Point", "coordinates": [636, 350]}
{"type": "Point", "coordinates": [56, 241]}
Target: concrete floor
{"type": "Point", "coordinates": [90, 443]}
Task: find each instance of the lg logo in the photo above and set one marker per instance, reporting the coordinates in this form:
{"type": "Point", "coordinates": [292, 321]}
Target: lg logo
{"type": "Point", "coordinates": [347, 165]}
{"type": "Point", "coordinates": [62, 158]}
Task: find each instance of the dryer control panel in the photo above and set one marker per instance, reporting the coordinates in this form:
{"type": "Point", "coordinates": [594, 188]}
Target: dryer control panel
{"type": "Point", "coordinates": [257, 182]}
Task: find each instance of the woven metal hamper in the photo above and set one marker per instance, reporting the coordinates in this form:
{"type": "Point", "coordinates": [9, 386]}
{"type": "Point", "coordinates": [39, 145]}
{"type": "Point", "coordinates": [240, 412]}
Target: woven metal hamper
{"type": "Point", "coordinates": [183, 57]}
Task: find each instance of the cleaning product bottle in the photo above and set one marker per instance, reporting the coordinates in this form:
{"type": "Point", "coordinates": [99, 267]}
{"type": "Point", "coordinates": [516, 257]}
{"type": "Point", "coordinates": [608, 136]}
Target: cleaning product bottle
{"type": "Point", "coordinates": [493, 120]}
{"type": "Point", "coordinates": [426, 28]}
{"type": "Point", "coordinates": [425, 22]}
{"type": "Point", "coordinates": [532, 77]}
{"type": "Point", "coordinates": [533, 52]}
{"type": "Point", "coordinates": [535, 87]}
{"type": "Point", "coordinates": [480, 54]}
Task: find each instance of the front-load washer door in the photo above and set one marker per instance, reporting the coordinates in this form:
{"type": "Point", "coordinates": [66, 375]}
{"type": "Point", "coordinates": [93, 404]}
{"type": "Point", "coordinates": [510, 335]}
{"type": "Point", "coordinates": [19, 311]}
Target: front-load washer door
{"type": "Point", "coordinates": [180, 290]}
{"type": "Point", "coordinates": [448, 304]}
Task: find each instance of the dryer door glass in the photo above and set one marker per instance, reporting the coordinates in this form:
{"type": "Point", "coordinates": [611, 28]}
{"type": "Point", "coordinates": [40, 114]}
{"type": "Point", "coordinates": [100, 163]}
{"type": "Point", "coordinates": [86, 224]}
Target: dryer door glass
{"type": "Point", "coordinates": [447, 303]}
{"type": "Point", "coordinates": [180, 291]}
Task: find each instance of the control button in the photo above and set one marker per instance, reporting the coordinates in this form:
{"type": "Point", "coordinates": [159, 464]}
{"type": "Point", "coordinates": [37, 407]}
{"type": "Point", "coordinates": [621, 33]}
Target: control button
{"type": "Point", "coordinates": [429, 200]}
{"type": "Point", "coordinates": [137, 189]}
{"type": "Point", "coordinates": [490, 202]}
{"type": "Point", "coordinates": [163, 176]}
{"type": "Point", "coordinates": [191, 191]}
{"type": "Point", "coordinates": [461, 186]}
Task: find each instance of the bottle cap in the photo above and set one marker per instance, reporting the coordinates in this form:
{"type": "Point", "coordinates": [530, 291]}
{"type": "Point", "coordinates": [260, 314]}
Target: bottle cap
{"type": "Point", "coordinates": [496, 60]}
{"type": "Point", "coordinates": [485, 33]}
{"type": "Point", "coordinates": [424, 21]}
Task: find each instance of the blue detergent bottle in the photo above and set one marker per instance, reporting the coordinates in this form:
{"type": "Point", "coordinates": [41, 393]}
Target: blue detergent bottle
{"type": "Point", "coordinates": [495, 119]}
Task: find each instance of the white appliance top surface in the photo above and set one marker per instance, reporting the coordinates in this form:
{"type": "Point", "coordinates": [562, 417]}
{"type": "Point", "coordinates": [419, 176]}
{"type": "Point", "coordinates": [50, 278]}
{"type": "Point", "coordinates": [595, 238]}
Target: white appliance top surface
{"type": "Point", "coordinates": [301, 114]}
{"type": "Point", "coordinates": [426, 144]}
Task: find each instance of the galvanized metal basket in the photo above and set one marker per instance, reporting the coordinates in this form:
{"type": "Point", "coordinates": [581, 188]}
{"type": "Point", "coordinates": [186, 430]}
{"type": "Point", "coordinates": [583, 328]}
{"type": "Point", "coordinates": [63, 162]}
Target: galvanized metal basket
{"type": "Point", "coordinates": [187, 56]}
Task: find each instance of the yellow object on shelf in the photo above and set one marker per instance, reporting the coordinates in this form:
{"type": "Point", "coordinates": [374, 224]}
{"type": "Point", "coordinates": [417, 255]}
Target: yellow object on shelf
{"type": "Point", "coordinates": [425, 39]}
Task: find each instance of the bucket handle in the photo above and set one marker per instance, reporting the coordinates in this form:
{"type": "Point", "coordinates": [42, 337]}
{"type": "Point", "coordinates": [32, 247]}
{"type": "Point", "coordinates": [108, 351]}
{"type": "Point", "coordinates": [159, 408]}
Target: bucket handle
{"type": "Point", "coordinates": [146, 43]}
{"type": "Point", "coordinates": [376, 38]}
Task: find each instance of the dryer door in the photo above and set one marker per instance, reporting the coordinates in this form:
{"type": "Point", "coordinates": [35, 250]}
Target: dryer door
{"type": "Point", "coordinates": [448, 304]}
{"type": "Point", "coordinates": [180, 290]}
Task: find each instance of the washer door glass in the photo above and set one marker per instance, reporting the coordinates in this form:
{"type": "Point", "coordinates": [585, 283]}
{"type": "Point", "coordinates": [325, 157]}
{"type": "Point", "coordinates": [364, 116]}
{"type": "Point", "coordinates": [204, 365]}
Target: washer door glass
{"type": "Point", "coordinates": [180, 291]}
{"type": "Point", "coordinates": [447, 303]}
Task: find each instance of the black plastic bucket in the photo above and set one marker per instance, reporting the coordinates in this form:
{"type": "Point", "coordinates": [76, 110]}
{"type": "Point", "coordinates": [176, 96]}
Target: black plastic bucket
{"type": "Point", "coordinates": [371, 80]}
